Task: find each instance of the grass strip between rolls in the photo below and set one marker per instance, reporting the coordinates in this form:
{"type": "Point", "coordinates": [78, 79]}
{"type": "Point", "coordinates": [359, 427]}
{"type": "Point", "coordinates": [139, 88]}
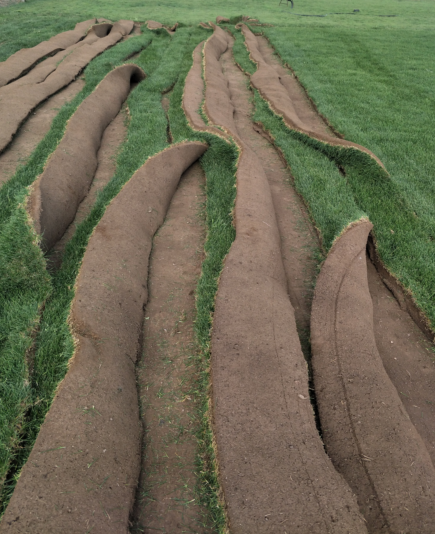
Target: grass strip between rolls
{"type": "Point", "coordinates": [219, 164]}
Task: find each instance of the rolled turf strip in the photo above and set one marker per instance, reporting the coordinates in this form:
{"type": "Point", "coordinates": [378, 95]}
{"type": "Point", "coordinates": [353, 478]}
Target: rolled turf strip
{"type": "Point", "coordinates": [23, 60]}
{"type": "Point", "coordinates": [267, 81]}
{"type": "Point", "coordinates": [82, 473]}
{"type": "Point", "coordinates": [68, 174]}
{"type": "Point", "coordinates": [19, 98]}
{"type": "Point", "coordinates": [273, 469]}
{"type": "Point", "coordinates": [366, 430]}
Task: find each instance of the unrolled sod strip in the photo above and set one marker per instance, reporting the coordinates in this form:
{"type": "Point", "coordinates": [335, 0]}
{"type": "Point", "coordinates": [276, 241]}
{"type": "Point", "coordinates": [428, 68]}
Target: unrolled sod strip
{"type": "Point", "coordinates": [69, 172]}
{"type": "Point", "coordinates": [23, 60]}
{"type": "Point", "coordinates": [366, 430]}
{"type": "Point", "coordinates": [267, 81]}
{"type": "Point", "coordinates": [274, 472]}
{"type": "Point", "coordinates": [17, 99]}
{"type": "Point", "coordinates": [82, 473]}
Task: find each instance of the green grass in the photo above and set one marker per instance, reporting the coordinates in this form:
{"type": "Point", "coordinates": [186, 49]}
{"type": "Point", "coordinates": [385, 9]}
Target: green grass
{"type": "Point", "coordinates": [25, 285]}
{"type": "Point", "coordinates": [219, 164]}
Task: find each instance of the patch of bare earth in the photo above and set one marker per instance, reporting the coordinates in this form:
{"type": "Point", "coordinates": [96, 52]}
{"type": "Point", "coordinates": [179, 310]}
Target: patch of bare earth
{"type": "Point", "coordinates": [166, 499]}
{"type": "Point", "coordinates": [298, 237]}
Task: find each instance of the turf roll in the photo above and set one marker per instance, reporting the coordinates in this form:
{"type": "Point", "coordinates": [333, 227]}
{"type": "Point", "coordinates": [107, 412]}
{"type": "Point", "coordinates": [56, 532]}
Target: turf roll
{"type": "Point", "coordinates": [267, 81]}
{"type": "Point", "coordinates": [23, 60]}
{"type": "Point", "coordinates": [270, 456]}
{"type": "Point", "coordinates": [17, 99]}
{"type": "Point", "coordinates": [83, 470]}
{"type": "Point", "coordinates": [69, 172]}
{"type": "Point", "coordinates": [366, 430]}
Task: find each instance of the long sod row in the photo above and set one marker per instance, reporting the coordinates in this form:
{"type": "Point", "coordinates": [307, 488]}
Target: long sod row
{"type": "Point", "coordinates": [404, 239]}
{"type": "Point", "coordinates": [38, 363]}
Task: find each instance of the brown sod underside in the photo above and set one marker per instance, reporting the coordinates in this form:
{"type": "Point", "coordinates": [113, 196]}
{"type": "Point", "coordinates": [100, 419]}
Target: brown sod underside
{"type": "Point", "coordinates": [271, 458]}
{"type": "Point", "coordinates": [366, 430]}
{"type": "Point", "coordinates": [23, 60]}
{"type": "Point", "coordinates": [69, 172]}
{"type": "Point", "coordinates": [166, 500]}
{"type": "Point", "coordinates": [111, 141]}
{"type": "Point", "coordinates": [18, 98]}
{"type": "Point", "coordinates": [36, 127]}
{"type": "Point", "coordinates": [83, 470]}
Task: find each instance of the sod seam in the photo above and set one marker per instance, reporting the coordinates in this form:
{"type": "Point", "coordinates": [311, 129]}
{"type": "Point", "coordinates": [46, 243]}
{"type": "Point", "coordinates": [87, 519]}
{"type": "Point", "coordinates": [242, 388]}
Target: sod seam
{"type": "Point", "coordinates": [219, 164]}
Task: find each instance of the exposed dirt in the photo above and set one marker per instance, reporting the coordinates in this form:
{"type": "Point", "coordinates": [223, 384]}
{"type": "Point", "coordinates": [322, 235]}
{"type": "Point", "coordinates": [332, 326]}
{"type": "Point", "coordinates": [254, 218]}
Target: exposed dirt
{"type": "Point", "coordinates": [408, 358]}
{"type": "Point", "coordinates": [166, 500]}
{"type": "Point", "coordinates": [82, 472]}
{"type": "Point", "coordinates": [154, 25]}
{"type": "Point", "coordinates": [274, 472]}
{"type": "Point", "coordinates": [366, 430]}
{"type": "Point", "coordinates": [34, 130]}
{"type": "Point", "coordinates": [305, 110]}
{"type": "Point", "coordinates": [69, 172]}
{"type": "Point", "coordinates": [298, 238]}
{"type": "Point", "coordinates": [112, 139]}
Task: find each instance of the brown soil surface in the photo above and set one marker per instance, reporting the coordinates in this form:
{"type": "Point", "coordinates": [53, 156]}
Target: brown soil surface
{"type": "Point", "coordinates": [82, 472]}
{"type": "Point", "coordinates": [407, 356]}
{"type": "Point", "coordinates": [272, 85]}
{"type": "Point", "coordinates": [34, 130]}
{"type": "Point", "coordinates": [67, 176]}
{"type": "Point", "coordinates": [19, 98]}
{"type": "Point", "coordinates": [113, 137]}
{"type": "Point", "coordinates": [23, 60]}
{"type": "Point", "coordinates": [298, 237]}
{"type": "Point", "coordinates": [366, 430]}
{"type": "Point", "coordinates": [222, 19]}
{"type": "Point", "coordinates": [274, 472]}
{"type": "Point", "coordinates": [166, 499]}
